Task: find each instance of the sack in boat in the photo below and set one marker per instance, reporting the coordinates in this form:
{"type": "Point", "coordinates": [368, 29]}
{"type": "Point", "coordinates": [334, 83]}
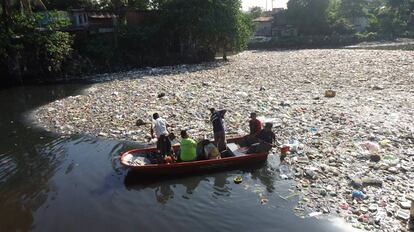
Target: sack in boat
{"type": "Point", "coordinates": [201, 155]}
{"type": "Point", "coordinates": [137, 161]}
{"type": "Point", "coordinates": [211, 151]}
{"type": "Point", "coordinates": [226, 153]}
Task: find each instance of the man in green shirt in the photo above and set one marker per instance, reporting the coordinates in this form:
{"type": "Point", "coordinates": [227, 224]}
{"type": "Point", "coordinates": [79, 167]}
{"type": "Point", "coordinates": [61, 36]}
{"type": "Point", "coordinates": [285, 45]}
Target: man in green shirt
{"type": "Point", "coordinates": [187, 147]}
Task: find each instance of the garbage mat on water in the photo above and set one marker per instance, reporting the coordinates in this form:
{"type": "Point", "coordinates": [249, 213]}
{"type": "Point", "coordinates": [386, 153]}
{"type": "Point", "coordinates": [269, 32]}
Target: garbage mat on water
{"type": "Point", "coordinates": [291, 80]}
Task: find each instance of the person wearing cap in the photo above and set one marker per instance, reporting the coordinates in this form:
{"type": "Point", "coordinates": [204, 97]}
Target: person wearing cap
{"type": "Point", "coordinates": [266, 134]}
{"type": "Point", "coordinates": [254, 124]}
{"type": "Point", "coordinates": [216, 119]}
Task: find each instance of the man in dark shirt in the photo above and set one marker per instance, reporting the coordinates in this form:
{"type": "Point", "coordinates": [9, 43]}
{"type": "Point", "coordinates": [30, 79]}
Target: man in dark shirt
{"type": "Point", "coordinates": [216, 119]}
{"type": "Point", "coordinates": [254, 124]}
{"type": "Point", "coordinates": [266, 134]}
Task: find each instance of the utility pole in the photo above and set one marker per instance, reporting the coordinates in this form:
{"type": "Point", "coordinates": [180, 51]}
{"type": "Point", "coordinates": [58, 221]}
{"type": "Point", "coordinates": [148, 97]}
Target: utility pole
{"type": "Point", "coordinates": [272, 6]}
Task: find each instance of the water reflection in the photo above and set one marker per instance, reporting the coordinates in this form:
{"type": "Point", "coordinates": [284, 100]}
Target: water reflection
{"type": "Point", "coordinates": [28, 157]}
{"type": "Point", "coordinates": [221, 183]}
{"type": "Point", "coordinates": [78, 182]}
{"type": "Point", "coordinates": [26, 187]}
{"type": "Point", "coordinates": [8, 167]}
{"type": "Point", "coordinates": [268, 175]}
{"type": "Point", "coordinates": [163, 187]}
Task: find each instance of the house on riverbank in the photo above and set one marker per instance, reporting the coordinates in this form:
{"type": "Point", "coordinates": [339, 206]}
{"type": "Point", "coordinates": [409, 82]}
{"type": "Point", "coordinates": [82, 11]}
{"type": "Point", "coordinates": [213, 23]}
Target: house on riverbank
{"type": "Point", "coordinates": [91, 22]}
{"type": "Point", "coordinates": [274, 24]}
{"type": "Point", "coordinates": [263, 26]}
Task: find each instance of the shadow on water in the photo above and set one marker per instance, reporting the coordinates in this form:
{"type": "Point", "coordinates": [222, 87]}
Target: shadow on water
{"type": "Point", "coordinates": [25, 187]}
{"type": "Point", "coordinates": [163, 187]}
{"type": "Point", "coordinates": [136, 179]}
{"type": "Point", "coordinates": [255, 204]}
{"type": "Point", "coordinates": [220, 179]}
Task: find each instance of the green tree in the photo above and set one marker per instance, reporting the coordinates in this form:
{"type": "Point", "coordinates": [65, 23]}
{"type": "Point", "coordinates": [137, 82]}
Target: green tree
{"type": "Point", "coordinates": [309, 16]}
{"type": "Point", "coordinates": [207, 26]}
{"type": "Point", "coordinates": [158, 4]}
{"type": "Point", "coordinates": [28, 49]}
{"type": "Point", "coordinates": [255, 11]}
{"type": "Point", "coordinates": [139, 4]}
{"type": "Point", "coordinates": [352, 9]}
{"type": "Point", "coordinates": [74, 4]}
{"type": "Point", "coordinates": [394, 18]}
{"type": "Point", "coordinates": [232, 28]}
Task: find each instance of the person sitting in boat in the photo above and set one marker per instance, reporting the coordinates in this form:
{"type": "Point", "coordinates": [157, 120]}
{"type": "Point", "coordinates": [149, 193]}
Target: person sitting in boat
{"type": "Point", "coordinates": [266, 134]}
{"type": "Point", "coordinates": [264, 140]}
{"type": "Point", "coordinates": [159, 126]}
{"type": "Point", "coordinates": [255, 127]}
{"type": "Point", "coordinates": [254, 124]}
{"type": "Point", "coordinates": [216, 119]}
{"type": "Point", "coordinates": [187, 147]}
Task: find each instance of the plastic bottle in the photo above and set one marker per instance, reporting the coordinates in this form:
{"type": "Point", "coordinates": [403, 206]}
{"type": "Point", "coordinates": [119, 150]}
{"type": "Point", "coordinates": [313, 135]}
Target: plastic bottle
{"type": "Point", "coordinates": [357, 194]}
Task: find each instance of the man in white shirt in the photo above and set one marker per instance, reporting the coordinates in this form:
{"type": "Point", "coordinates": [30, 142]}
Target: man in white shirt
{"type": "Point", "coordinates": [159, 126]}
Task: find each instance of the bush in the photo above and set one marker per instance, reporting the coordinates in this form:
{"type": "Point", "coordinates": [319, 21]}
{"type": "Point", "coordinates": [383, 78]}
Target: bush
{"type": "Point", "coordinates": [30, 49]}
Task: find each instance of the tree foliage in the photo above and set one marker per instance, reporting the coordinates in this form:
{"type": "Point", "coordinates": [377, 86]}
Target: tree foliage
{"type": "Point", "coordinates": [318, 17]}
{"type": "Point", "coordinates": [394, 17]}
{"type": "Point", "coordinates": [179, 31]}
{"type": "Point", "coordinates": [26, 47]}
{"type": "Point", "coordinates": [207, 26]}
{"type": "Point", "coordinates": [74, 4]}
{"type": "Point", "coordinates": [309, 16]}
{"type": "Point", "coordinates": [255, 11]}
{"type": "Point", "coordinates": [351, 9]}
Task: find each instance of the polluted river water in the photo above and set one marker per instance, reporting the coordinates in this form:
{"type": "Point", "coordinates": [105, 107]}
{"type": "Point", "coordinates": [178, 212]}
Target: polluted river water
{"type": "Point", "coordinates": [68, 177]}
{"type": "Point", "coordinates": [50, 182]}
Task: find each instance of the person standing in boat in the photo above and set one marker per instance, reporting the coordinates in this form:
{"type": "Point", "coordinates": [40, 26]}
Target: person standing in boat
{"type": "Point", "coordinates": [216, 119]}
{"type": "Point", "coordinates": [159, 127]}
{"type": "Point", "coordinates": [187, 147]}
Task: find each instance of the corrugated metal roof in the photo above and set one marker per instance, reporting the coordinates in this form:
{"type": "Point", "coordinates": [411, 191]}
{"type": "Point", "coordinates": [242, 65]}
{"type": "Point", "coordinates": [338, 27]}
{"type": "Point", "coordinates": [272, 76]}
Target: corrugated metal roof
{"type": "Point", "coordinates": [263, 19]}
{"type": "Point", "coordinates": [101, 15]}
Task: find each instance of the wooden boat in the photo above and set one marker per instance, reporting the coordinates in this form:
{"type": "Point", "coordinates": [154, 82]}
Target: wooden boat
{"type": "Point", "coordinates": [239, 160]}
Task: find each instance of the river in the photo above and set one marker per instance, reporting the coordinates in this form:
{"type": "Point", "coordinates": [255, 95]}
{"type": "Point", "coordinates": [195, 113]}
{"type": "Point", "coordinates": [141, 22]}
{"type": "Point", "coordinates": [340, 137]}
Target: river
{"type": "Point", "coordinates": [50, 182]}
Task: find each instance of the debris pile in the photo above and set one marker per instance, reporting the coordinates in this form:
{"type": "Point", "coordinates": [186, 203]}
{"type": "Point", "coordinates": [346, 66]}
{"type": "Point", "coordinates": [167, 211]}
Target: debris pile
{"type": "Point", "coordinates": [353, 150]}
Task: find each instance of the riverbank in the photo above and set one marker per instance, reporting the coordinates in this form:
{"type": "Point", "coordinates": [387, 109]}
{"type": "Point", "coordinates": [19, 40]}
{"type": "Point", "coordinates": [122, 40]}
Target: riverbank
{"type": "Point", "coordinates": [358, 41]}
{"type": "Point", "coordinates": [374, 102]}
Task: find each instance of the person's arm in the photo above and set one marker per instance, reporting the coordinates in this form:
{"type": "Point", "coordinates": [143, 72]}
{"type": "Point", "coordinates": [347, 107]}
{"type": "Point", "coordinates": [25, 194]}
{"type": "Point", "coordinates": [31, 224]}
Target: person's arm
{"type": "Point", "coordinates": [222, 113]}
{"type": "Point", "coordinates": [167, 125]}
{"type": "Point", "coordinates": [193, 143]}
{"type": "Point", "coordinates": [152, 131]}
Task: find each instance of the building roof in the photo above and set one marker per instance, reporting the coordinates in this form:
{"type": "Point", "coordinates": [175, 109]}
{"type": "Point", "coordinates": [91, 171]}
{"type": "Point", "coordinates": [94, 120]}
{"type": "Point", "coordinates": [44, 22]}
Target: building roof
{"type": "Point", "coordinates": [101, 15]}
{"type": "Point", "coordinates": [263, 19]}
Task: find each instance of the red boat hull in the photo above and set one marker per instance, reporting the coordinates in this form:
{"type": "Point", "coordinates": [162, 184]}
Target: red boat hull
{"type": "Point", "coordinates": [181, 168]}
